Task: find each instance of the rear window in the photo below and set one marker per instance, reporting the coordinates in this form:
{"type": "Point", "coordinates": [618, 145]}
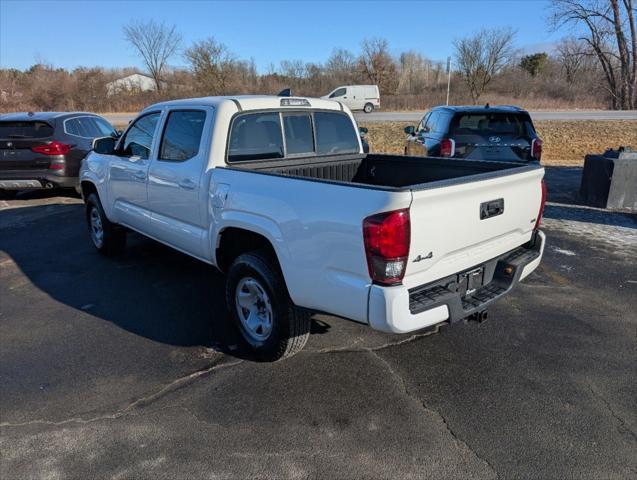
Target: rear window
{"type": "Point", "coordinates": [485, 124]}
{"type": "Point", "coordinates": [335, 134]}
{"type": "Point", "coordinates": [299, 138]}
{"type": "Point", "coordinates": [255, 136]}
{"type": "Point", "coordinates": [25, 130]}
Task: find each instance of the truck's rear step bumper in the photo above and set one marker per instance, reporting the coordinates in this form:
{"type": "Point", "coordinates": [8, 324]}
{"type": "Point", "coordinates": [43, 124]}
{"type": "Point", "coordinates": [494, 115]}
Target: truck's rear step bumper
{"type": "Point", "coordinates": [499, 276]}
{"type": "Point", "coordinates": [402, 310]}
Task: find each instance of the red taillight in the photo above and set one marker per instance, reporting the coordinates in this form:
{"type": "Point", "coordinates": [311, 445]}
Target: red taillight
{"type": "Point", "coordinates": [447, 147]}
{"type": "Point", "coordinates": [53, 148]}
{"type": "Point", "coordinates": [542, 203]}
{"type": "Point", "coordinates": [536, 148]}
{"type": "Point", "coordinates": [387, 236]}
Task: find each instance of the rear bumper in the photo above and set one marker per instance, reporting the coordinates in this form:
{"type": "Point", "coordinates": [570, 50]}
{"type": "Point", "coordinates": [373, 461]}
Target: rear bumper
{"type": "Point", "coordinates": [400, 309]}
{"type": "Point", "coordinates": [22, 180]}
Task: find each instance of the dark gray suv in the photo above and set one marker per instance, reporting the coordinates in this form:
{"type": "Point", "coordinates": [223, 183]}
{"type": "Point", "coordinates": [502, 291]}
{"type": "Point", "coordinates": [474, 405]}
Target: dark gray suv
{"type": "Point", "coordinates": [45, 149]}
{"type": "Point", "coordinates": [501, 133]}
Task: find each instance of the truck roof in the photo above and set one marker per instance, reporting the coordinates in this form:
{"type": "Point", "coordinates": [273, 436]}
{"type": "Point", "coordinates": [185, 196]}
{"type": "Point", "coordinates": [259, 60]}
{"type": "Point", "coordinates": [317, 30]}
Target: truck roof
{"type": "Point", "coordinates": [252, 102]}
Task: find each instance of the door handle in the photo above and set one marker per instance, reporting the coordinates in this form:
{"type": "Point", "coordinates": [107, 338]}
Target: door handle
{"type": "Point", "coordinates": [187, 184]}
{"type": "Point", "coordinates": [139, 175]}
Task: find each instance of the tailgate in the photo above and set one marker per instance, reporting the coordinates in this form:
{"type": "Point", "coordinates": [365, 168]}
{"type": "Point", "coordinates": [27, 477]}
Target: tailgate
{"type": "Point", "coordinates": [456, 227]}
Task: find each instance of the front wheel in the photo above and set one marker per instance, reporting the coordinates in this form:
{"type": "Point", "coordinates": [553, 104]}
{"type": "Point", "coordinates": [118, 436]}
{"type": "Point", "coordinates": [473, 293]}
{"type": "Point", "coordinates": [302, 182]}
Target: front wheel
{"type": "Point", "coordinates": [368, 108]}
{"type": "Point", "coordinates": [107, 237]}
{"type": "Point", "coordinates": [258, 301]}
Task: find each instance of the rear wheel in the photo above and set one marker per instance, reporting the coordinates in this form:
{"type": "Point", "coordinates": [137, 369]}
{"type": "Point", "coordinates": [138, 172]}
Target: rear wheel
{"type": "Point", "coordinates": [107, 237]}
{"type": "Point", "coordinates": [368, 108]}
{"type": "Point", "coordinates": [258, 301]}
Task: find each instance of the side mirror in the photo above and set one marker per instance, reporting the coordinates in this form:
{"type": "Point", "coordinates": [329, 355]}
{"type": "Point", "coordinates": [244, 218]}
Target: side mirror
{"type": "Point", "coordinates": [363, 131]}
{"type": "Point", "coordinates": [410, 130]}
{"type": "Point", "coordinates": [104, 145]}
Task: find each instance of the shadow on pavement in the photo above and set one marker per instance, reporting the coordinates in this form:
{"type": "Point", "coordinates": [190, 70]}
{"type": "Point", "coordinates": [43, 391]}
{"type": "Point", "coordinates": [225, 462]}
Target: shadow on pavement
{"type": "Point", "coordinates": [150, 289]}
{"type": "Point", "coordinates": [38, 194]}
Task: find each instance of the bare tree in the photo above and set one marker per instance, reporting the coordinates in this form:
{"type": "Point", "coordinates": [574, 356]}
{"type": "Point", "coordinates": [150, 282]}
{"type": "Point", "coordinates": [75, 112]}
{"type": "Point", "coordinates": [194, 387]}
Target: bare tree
{"type": "Point", "coordinates": [212, 65]}
{"type": "Point", "coordinates": [415, 72]}
{"type": "Point", "coordinates": [340, 66]}
{"type": "Point", "coordinates": [483, 55]}
{"type": "Point", "coordinates": [605, 23]}
{"type": "Point", "coordinates": [155, 43]}
{"type": "Point", "coordinates": [571, 54]}
{"type": "Point", "coordinates": [377, 65]}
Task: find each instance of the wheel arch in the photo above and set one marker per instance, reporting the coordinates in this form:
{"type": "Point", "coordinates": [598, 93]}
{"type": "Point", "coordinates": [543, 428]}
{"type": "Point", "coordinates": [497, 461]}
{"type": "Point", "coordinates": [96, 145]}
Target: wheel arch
{"type": "Point", "coordinates": [233, 241]}
{"type": "Point", "coordinates": [87, 187]}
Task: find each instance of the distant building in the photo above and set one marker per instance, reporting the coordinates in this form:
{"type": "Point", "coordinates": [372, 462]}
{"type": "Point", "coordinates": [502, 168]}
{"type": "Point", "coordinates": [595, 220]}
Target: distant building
{"type": "Point", "coordinates": [133, 83]}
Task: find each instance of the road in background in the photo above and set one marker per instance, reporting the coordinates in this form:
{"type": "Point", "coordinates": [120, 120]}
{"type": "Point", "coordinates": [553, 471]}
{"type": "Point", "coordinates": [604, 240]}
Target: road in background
{"type": "Point", "coordinates": [124, 118]}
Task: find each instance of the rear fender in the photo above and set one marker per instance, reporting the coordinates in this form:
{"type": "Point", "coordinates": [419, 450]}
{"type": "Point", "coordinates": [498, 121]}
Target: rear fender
{"type": "Point", "coordinates": [253, 223]}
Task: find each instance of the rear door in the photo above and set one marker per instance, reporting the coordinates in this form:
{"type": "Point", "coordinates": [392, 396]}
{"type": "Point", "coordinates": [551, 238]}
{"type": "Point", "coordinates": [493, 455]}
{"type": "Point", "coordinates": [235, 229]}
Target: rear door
{"type": "Point", "coordinates": [17, 141]}
{"type": "Point", "coordinates": [500, 136]}
{"type": "Point", "coordinates": [450, 232]}
{"type": "Point", "coordinates": [177, 186]}
{"type": "Point", "coordinates": [372, 96]}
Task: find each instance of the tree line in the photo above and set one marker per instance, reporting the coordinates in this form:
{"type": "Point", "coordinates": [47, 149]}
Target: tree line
{"type": "Point", "coordinates": [593, 67]}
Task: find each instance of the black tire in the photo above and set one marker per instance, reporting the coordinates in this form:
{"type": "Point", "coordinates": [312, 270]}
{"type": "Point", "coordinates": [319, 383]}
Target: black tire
{"type": "Point", "coordinates": [113, 238]}
{"type": "Point", "coordinates": [290, 325]}
{"type": "Point", "coordinates": [368, 108]}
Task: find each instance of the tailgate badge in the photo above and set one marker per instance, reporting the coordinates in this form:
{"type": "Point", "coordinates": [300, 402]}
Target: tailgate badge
{"type": "Point", "coordinates": [420, 258]}
{"type": "Point", "coordinates": [495, 139]}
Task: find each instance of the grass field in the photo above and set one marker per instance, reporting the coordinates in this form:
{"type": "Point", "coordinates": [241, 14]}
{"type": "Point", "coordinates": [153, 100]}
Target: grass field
{"type": "Point", "coordinates": [565, 143]}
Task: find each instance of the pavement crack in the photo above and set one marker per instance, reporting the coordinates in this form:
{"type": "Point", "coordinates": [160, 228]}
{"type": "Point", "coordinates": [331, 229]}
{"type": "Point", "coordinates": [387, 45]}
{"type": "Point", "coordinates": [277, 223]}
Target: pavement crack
{"type": "Point", "coordinates": [402, 385]}
{"type": "Point", "coordinates": [140, 402]}
{"type": "Point", "coordinates": [403, 341]}
{"type": "Point", "coordinates": [622, 422]}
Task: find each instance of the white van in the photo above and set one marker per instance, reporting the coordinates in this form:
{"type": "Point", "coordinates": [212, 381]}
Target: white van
{"type": "Point", "coordinates": [357, 97]}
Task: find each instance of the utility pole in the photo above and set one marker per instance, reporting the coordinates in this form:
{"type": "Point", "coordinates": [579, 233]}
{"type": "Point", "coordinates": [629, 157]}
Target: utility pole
{"type": "Point", "coordinates": [448, 77]}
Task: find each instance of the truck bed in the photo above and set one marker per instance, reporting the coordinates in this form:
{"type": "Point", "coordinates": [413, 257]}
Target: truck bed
{"type": "Point", "coordinates": [389, 172]}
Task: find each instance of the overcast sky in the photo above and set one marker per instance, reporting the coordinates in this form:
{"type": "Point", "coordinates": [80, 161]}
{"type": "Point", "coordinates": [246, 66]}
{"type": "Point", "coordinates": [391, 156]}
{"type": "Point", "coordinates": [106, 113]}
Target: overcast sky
{"type": "Point", "coordinates": [89, 33]}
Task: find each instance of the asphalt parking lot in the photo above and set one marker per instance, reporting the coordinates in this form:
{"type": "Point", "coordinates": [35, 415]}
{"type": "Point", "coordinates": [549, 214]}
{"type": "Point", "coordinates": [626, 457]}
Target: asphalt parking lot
{"type": "Point", "coordinates": [126, 368]}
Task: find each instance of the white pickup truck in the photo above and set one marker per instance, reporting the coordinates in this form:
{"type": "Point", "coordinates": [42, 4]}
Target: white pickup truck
{"type": "Point", "coordinates": [277, 193]}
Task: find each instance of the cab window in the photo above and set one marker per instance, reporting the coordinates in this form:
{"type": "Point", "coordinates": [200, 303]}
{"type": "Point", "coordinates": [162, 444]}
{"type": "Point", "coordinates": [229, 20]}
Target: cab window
{"type": "Point", "coordinates": [338, 93]}
{"type": "Point", "coordinates": [138, 139]}
{"type": "Point", "coordinates": [182, 135]}
{"type": "Point", "coordinates": [255, 136]}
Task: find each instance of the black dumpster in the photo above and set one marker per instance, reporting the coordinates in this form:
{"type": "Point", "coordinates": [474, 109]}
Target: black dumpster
{"type": "Point", "coordinates": [610, 180]}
